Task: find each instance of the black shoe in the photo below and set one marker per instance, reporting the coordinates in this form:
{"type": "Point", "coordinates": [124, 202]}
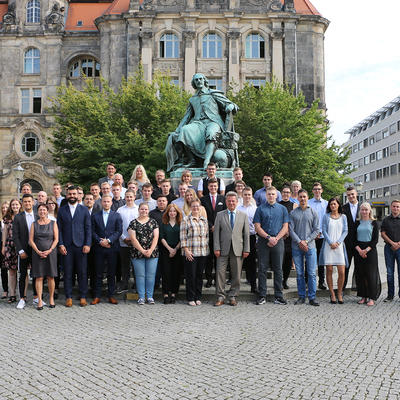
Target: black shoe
{"type": "Point", "coordinates": [166, 300]}
{"type": "Point", "coordinates": [313, 303]}
{"type": "Point", "coordinates": [39, 308]}
{"type": "Point", "coordinates": [52, 306]}
{"type": "Point", "coordinates": [172, 300]}
{"type": "Point", "coordinates": [208, 283]}
{"type": "Point", "coordinates": [285, 285]}
{"type": "Point", "coordinates": [340, 301]}
{"type": "Point", "coordinates": [321, 286]}
{"type": "Point", "coordinates": [260, 301]}
{"type": "Point", "coordinates": [333, 301]}
{"type": "Point", "coordinates": [254, 289]}
{"type": "Point", "coordinates": [280, 300]}
{"type": "Point", "coordinates": [300, 300]}
{"type": "Point", "coordinates": [388, 299]}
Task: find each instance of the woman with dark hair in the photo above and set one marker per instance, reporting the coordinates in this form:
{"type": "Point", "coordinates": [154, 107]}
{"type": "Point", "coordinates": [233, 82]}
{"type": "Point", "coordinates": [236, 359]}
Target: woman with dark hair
{"type": "Point", "coordinates": [169, 252]}
{"type": "Point", "coordinates": [4, 271]}
{"type": "Point", "coordinates": [334, 229]}
{"type": "Point", "coordinates": [366, 257]}
{"type": "Point", "coordinates": [8, 250]}
{"type": "Point", "coordinates": [43, 238]}
{"type": "Point", "coordinates": [52, 207]}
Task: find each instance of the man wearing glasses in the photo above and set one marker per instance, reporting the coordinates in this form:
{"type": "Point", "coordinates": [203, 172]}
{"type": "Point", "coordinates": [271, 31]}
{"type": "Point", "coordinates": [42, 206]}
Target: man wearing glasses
{"type": "Point", "coordinates": [318, 204]}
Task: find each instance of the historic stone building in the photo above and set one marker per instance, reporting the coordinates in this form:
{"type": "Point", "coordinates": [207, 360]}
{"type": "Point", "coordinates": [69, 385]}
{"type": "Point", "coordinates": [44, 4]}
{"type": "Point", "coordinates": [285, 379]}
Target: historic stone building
{"type": "Point", "coordinates": [44, 43]}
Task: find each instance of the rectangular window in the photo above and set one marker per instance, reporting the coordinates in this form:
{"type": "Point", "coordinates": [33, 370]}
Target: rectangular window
{"type": "Point", "coordinates": [372, 157]}
{"type": "Point", "coordinates": [392, 129]}
{"type": "Point", "coordinates": [215, 83]}
{"type": "Point", "coordinates": [360, 162]}
{"type": "Point", "coordinates": [372, 140]}
{"type": "Point", "coordinates": [385, 133]}
{"type": "Point", "coordinates": [257, 83]}
{"type": "Point", "coordinates": [366, 160]}
{"type": "Point", "coordinates": [393, 190]}
{"type": "Point", "coordinates": [385, 152]}
{"type": "Point", "coordinates": [385, 172]}
{"type": "Point", "coordinates": [393, 149]}
{"type": "Point", "coordinates": [37, 101]}
{"type": "Point", "coordinates": [360, 145]}
{"type": "Point", "coordinates": [25, 109]}
{"type": "Point", "coordinates": [367, 195]}
{"type": "Point", "coordinates": [386, 191]}
{"type": "Point", "coordinates": [366, 142]}
{"type": "Point", "coordinates": [379, 193]}
{"type": "Point", "coordinates": [355, 149]}
{"type": "Point", "coordinates": [372, 176]}
{"type": "Point", "coordinates": [378, 136]}
{"type": "Point", "coordinates": [398, 125]}
{"type": "Point", "coordinates": [379, 155]}
{"type": "Point", "coordinates": [379, 174]}
{"type": "Point", "coordinates": [175, 81]}
{"type": "Point", "coordinates": [366, 178]}
{"type": "Point", "coordinates": [393, 169]}
{"type": "Point", "coordinates": [372, 193]}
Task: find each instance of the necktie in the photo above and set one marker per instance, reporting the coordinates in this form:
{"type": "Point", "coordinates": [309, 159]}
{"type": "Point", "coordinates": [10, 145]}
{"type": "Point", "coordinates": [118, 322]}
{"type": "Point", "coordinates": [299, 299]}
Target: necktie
{"type": "Point", "coordinates": [231, 219]}
{"type": "Point", "coordinates": [213, 202]}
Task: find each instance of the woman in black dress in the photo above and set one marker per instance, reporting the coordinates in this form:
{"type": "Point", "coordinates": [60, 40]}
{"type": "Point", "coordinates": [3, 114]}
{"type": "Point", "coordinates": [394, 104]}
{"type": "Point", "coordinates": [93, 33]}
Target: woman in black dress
{"type": "Point", "coordinates": [170, 254]}
{"type": "Point", "coordinates": [43, 238]}
{"type": "Point", "coordinates": [366, 257]}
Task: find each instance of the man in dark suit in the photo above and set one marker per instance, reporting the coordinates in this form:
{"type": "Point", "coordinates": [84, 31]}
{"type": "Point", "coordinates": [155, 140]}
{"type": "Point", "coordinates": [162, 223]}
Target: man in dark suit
{"type": "Point", "coordinates": [213, 203]}
{"type": "Point", "coordinates": [231, 245]}
{"type": "Point", "coordinates": [351, 209]}
{"type": "Point", "coordinates": [21, 225]}
{"type": "Point", "coordinates": [106, 230]}
{"type": "Point", "coordinates": [111, 170]}
{"type": "Point", "coordinates": [75, 238]}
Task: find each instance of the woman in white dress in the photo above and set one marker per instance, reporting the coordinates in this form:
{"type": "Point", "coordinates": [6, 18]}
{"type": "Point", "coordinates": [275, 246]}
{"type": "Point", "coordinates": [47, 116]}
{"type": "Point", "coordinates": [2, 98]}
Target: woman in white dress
{"type": "Point", "coordinates": [333, 252]}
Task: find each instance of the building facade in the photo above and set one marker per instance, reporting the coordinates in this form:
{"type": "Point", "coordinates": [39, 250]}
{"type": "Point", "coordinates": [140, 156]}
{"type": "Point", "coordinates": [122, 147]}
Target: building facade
{"type": "Point", "coordinates": [375, 157]}
{"type": "Point", "coordinates": [46, 43]}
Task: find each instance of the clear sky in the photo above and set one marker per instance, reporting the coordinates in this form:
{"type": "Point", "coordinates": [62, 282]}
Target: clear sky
{"type": "Point", "coordinates": [362, 59]}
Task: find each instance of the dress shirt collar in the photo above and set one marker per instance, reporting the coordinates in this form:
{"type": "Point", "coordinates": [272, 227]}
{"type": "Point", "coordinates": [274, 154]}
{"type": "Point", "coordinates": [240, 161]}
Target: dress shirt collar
{"type": "Point", "coordinates": [30, 214]}
{"type": "Point", "coordinates": [106, 212]}
{"type": "Point", "coordinates": [353, 205]}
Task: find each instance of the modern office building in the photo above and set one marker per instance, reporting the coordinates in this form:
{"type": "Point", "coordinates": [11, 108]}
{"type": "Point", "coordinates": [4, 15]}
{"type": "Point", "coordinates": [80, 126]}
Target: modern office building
{"type": "Point", "coordinates": [46, 43]}
{"type": "Point", "coordinates": [375, 156]}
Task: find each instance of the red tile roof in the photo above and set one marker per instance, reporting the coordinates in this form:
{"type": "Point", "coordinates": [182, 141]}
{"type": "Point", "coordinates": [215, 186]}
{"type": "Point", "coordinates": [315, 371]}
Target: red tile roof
{"type": "Point", "coordinates": [305, 7]}
{"type": "Point", "coordinates": [3, 10]}
{"type": "Point", "coordinates": [85, 12]}
{"type": "Point", "coordinates": [118, 7]}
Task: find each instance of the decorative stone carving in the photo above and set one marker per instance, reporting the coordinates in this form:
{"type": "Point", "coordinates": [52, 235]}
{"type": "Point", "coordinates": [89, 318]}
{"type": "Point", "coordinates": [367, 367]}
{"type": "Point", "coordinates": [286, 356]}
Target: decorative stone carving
{"type": "Point", "coordinates": [277, 35]}
{"type": "Point", "coordinates": [276, 5]}
{"type": "Point", "coordinates": [189, 35]}
{"type": "Point", "coordinates": [10, 17]}
{"type": "Point", "coordinates": [55, 19]}
{"type": "Point", "coordinates": [233, 35]}
{"type": "Point", "coordinates": [289, 6]}
{"type": "Point", "coordinates": [147, 5]}
{"type": "Point", "coordinates": [167, 3]}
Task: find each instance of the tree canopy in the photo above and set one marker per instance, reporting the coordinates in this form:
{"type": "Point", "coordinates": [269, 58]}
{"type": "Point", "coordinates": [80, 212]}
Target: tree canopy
{"type": "Point", "coordinates": [129, 126]}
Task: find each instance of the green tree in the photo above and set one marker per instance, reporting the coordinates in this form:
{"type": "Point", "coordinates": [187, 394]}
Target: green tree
{"type": "Point", "coordinates": [280, 134]}
{"type": "Point", "coordinates": [130, 126]}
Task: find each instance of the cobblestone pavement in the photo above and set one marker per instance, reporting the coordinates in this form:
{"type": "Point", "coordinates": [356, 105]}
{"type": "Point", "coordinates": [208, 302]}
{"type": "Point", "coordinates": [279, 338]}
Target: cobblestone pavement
{"type": "Point", "coordinates": [179, 352]}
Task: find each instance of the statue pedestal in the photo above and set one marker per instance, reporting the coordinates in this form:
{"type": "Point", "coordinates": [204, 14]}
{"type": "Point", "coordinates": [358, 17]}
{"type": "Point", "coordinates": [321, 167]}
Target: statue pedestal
{"type": "Point", "coordinates": [226, 174]}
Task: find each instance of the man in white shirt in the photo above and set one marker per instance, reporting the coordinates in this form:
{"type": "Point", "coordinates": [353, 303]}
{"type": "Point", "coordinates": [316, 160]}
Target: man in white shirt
{"type": "Point", "coordinates": [147, 190]}
{"type": "Point", "coordinates": [180, 201]}
{"type": "Point", "coordinates": [202, 188]}
{"type": "Point", "coordinates": [128, 212]}
{"type": "Point", "coordinates": [21, 226]}
{"type": "Point", "coordinates": [57, 193]}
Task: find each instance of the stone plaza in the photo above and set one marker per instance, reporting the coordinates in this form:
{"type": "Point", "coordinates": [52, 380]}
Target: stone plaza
{"type": "Point", "coordinates": [128, 351]}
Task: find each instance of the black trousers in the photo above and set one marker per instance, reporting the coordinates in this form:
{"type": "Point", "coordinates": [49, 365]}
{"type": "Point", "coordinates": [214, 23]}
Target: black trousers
{"type": "Point", "coordinates": [249, 263]}
{"type": "Point", "coordinates": [171, 271]}
{"type": "Point", "coordinates": [91, 272]}
{"type": "Point", "coordinates": [211, 261]}
{"type": "Point", "coordinates": [194, 277]}
{"type": "Point", "coordinates": [23, 273]}
{"type": "Point", "coordinates": [103, 255]}
{"type": "Point", "coordinates": [125, 257]}
{"type": "Point", "coordinates": [287, 259]}
{"type": "Point", "coordinates": [4, 279]}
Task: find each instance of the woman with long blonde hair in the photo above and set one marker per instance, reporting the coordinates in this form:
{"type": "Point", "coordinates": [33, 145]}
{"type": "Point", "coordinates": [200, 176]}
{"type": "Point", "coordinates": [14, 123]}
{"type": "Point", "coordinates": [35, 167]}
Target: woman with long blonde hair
{"type": "Point", "coordinates": [190, 195]}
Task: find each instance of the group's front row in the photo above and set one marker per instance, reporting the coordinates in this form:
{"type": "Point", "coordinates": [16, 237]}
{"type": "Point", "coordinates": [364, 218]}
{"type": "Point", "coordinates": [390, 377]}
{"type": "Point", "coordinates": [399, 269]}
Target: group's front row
{"type": "Point", "coordinates": [174, 241]}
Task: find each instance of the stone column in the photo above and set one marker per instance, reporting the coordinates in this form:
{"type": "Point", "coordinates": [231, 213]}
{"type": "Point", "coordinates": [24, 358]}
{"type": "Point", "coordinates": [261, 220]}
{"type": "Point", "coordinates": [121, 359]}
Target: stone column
{"type": "Point", "coordinates": [132, 46]}
{"type": "Point", "coordinates": [277, 52]}
{"type": "Point", "coordinates": [147, 54]}
{"type": "Point", "coordinates": [290, 60]}
{"type": "Point", "coordinates": [234, 57]}
{"type": "Point", "coordinates": [190, 58]}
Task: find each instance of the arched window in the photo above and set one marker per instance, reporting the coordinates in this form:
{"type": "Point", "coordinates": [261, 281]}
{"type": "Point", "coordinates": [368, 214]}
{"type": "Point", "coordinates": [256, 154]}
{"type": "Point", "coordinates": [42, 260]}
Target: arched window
{"type": "Point", "coordinates": [33, 11]}
{"type": "Point", "coordinates": [36, 186]}
{"type": "Point", "coordinates": [169, 46]}
{"type": "Point", "coordinates": [255, 46]}
{"type": "Point", "coordinates": [32, 61]}
{"type": "Point", "coordinates": [30, 144]}
{"type": "Point", "coordinates": [85, 66]}
{"type": "Point", "coordinates": [212, 46]}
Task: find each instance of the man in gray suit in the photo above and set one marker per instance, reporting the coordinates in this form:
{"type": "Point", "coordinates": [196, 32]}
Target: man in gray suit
{"type": "Point", "coordinates": [231, 244]}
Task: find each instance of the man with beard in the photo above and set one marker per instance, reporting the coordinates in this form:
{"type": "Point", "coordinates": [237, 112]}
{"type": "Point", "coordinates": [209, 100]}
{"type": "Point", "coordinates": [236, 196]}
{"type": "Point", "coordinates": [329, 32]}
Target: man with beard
{"type": "Point", "coordinates": [75, 238]}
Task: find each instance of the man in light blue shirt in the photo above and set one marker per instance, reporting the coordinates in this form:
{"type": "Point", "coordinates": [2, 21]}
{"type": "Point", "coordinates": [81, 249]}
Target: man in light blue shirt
{"type": "Point", "coordinates": [304, 228]}
{"type": "Point", "coordinates": [260, 196]}
{"type": "Point", "coordinates": [318, 204]}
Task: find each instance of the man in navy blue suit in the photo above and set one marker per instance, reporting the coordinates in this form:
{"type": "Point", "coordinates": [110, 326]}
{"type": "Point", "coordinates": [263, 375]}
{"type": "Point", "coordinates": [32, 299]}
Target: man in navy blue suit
{"type": "Point", "coordinates": [75, 238]}
{"type": "Point", "coordinates": [106, 230]}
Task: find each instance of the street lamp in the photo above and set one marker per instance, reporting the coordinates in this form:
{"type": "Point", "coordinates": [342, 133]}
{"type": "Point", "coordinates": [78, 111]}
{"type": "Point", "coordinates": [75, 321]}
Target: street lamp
{"type": "Point", "coordinates": [19, 175]}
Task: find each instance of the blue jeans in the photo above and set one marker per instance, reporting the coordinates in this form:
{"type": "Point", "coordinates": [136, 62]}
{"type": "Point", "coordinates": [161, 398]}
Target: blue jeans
{"type": "Point", "coordinates": [145, 274]}
{"type": "Point", "coordinates": [390, 257]}
{"type": "Point", "coordinates": [311, 265]}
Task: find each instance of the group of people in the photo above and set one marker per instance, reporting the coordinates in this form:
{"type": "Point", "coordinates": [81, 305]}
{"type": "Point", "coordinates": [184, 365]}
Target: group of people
{"type": "Point", "coordinates": [212, 230]}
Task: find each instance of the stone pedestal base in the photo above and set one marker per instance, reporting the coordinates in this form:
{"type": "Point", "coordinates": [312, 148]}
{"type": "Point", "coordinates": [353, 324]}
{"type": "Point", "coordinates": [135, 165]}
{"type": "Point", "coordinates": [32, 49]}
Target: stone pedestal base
{"type": "Point", "coordinates": [226, 174]}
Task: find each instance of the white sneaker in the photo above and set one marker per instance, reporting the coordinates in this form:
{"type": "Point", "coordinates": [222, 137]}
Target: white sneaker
{"type": "Point", "coordinates": [21, 304]}
{"type": "Point", "coordinates": [36, 302]}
